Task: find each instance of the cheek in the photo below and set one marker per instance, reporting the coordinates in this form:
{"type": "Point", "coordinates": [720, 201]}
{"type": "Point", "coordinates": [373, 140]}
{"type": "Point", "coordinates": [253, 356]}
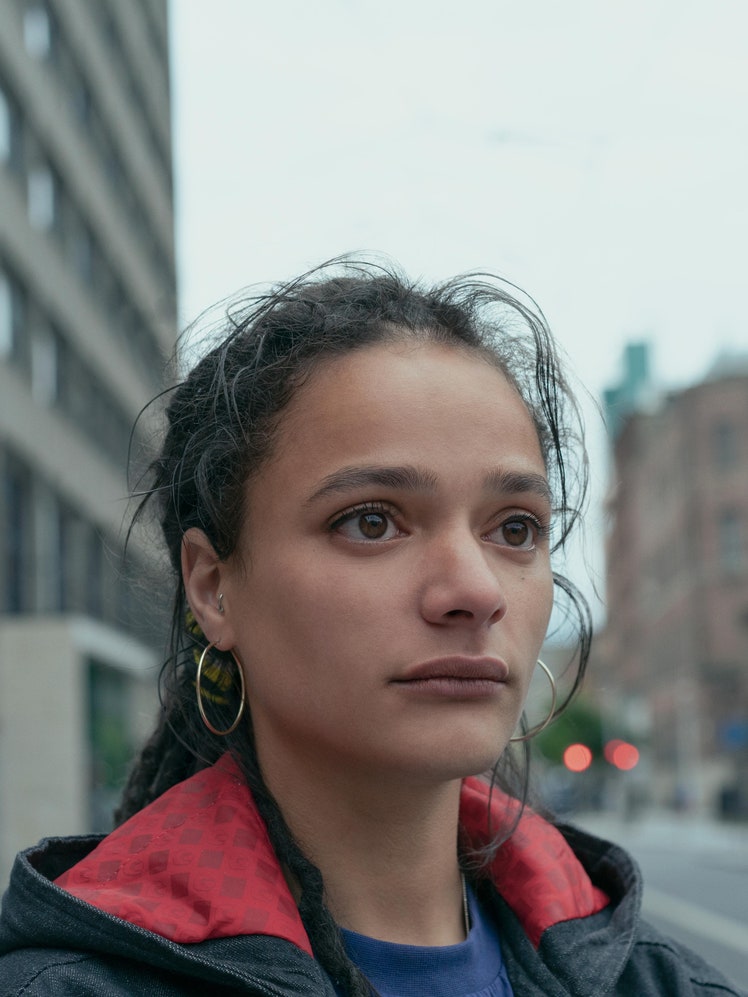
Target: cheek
{"type": "Point", "coordinates": [537, 608]}
{"type": "Point", "coordinates": [539, 590]}
{"type": "Point", "coordinates": [300, 612]}
{"type": "Point", "coordinates": [335, 587]}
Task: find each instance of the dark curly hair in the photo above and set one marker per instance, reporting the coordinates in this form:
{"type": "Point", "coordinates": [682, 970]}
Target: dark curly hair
{"type": "Point", "coordinates": [221, 425]}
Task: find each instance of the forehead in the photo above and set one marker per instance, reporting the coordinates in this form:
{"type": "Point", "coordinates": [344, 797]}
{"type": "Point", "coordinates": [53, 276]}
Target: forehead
{"type": "Point", "coordinates": [406, 403]}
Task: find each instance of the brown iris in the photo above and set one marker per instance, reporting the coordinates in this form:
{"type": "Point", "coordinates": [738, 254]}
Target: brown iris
{"type": "Point", "coordinates": [516, 533]}
{"type": "Point", "coordinates": [373, 525]}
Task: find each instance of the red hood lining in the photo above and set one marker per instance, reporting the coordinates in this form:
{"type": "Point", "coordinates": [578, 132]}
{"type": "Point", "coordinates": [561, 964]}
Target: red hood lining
{"type": "Point", "coordinates": [198, 864]}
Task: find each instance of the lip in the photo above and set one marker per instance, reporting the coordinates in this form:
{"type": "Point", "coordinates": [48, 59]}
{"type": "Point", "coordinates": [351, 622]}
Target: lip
{"type": "Point", "coordinates": [462, 667]}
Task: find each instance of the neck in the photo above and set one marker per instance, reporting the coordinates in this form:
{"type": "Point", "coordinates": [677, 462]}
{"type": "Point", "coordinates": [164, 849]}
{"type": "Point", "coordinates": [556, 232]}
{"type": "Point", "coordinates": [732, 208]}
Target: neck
{"type": "Point", "coordinates": [388, 855]}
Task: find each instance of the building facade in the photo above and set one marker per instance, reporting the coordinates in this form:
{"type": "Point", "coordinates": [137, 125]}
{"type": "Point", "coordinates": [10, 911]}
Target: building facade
{"type": "Point", "coordinates": [87, 322]}
{"type": "Point", "coordinates": [676, 641]}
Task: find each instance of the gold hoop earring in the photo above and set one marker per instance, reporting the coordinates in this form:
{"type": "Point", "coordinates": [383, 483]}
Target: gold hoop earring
{"type": "Point", "coordinates": [536, 730]}
{"type": "Point", "coordinates": [199, 691]}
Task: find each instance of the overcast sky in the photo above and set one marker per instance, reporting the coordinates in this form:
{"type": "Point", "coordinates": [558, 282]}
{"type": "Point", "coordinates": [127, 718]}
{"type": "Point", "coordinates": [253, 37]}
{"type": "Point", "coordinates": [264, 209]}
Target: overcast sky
{"type": "Point", "coordinates": [594, 153]}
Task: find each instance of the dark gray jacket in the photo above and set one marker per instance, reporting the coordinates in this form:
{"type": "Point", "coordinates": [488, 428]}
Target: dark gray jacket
{"type": "Point", "coordinates": [55, 943]}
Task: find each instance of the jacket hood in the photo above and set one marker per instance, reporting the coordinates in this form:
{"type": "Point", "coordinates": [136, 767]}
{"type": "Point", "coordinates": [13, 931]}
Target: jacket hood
{"type": "Point", "coordinates": [198, 864]}
{"type": "Point", "coordinates": [188, 894]}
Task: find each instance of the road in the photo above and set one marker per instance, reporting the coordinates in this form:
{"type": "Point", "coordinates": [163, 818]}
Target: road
{"type": "Point", "coordinates": [695, 882]}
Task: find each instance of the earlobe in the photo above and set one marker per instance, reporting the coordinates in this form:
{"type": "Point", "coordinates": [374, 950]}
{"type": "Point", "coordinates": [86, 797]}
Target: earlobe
{"type": "Point", "coordinates": [203, 573]}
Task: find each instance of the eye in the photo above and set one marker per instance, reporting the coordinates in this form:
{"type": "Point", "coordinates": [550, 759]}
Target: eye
{"type": "Point", "coordinates": [366, 523]}
{"type": "Point", "coordinates": [520, 532]}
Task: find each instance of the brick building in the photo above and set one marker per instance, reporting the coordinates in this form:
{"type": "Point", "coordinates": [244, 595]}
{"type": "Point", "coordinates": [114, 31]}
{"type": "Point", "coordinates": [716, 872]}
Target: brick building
{"type": "Point", "coordinates": [676, 641]}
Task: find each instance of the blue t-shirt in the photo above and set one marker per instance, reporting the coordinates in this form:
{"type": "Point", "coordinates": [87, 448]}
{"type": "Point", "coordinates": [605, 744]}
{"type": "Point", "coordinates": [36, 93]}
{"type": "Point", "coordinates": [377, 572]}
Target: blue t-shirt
{"type": "Point", "coordinates": [473, 968]}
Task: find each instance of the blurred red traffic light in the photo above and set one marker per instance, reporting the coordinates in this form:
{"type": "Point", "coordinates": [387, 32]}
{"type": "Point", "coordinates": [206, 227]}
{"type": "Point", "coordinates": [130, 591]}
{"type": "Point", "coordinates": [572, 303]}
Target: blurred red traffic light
{"type": "Point", "coordinates": [577, 757]}
{"type": "Point", "coordinates": [621, 754]}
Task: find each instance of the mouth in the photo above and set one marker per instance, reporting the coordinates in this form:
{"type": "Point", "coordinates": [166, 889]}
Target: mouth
{"type": "Point", "coordinates": [456, 677]}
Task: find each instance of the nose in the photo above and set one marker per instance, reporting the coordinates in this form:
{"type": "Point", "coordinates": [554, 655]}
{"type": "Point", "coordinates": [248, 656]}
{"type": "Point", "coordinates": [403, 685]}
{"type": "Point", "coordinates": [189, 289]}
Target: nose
{"type": "Point", "coordinates": [461, 582]}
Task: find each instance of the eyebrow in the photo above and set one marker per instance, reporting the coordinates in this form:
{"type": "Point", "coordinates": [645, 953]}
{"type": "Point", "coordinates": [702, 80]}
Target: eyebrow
{"type": "Point", "coordinates": [414, 479]}
{"type": "Point", "coordinates": [515, 482]}
{"type": "Point", "coordinates": [405, 478]}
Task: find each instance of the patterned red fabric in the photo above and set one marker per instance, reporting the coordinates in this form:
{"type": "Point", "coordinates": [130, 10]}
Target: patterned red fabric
{"type": "Point", "coordinates": [198, 864]}
{"type": "Point", "coordinates": [535, 871]}
{"type": "Point", "coordinates": [195, 864]}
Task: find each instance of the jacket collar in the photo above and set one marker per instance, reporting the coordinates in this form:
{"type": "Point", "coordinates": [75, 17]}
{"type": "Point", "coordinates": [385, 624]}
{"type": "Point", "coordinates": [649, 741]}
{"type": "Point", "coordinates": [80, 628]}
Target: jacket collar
{"type": "Point", "coordinates": [198, 864]}
{"type": "Point", "coordinates": [535, 869]}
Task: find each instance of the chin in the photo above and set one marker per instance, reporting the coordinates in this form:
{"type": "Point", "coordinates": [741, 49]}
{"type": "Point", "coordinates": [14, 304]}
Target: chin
{"type": "Point", "coordinates": [448, 766]}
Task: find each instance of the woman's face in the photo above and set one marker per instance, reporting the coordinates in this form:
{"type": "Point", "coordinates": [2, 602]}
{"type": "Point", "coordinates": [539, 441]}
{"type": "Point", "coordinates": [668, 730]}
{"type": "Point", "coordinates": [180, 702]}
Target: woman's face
{"type": "Point", "coordinates": [392, 587]}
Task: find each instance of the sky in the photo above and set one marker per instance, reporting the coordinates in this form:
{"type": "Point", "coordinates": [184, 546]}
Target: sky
{"type": "Point", "coordinates": [595, 154]}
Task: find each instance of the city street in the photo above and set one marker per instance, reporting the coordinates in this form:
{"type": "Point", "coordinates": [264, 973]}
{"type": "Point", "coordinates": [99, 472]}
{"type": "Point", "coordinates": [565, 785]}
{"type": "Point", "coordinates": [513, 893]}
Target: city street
{"type": "Point", "coordinates": [696, 881]}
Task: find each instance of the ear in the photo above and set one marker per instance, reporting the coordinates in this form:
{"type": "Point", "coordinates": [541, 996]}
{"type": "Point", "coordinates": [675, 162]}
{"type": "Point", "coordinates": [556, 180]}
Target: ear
{"type": "Point", "coordinates": [204, 573]}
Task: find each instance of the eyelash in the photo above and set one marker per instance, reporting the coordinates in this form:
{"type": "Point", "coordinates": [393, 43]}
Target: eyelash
{"type": "Point", "coordinates": [539, 531]}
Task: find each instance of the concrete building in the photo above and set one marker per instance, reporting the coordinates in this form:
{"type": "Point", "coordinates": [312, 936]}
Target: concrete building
{"type": "Point", "coordinates": [676, 642]}
{"type": "Point", "coordinates": [87, 320]}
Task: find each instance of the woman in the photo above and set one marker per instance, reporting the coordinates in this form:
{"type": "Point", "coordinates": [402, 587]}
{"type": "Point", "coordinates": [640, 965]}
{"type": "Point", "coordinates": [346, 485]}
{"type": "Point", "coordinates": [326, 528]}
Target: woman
{"type": "Point", "coordinates": [360, 489]}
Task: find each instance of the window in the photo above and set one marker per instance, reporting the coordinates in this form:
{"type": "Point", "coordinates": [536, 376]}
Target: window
{"type": "Point", "coordinates": [725, 439]}
{"type": "Point", "coordinates": [10, 131]}
{"type": "Point", "coordinates": [82, 102]}
{"type": "Point", "coordinates": [17, 535]}
{"type": "Point", "coordinates": [94, 557]}
{"type": "Point", "coordinates": [110, 740]}
{"type": "Point", "coordinates": [41, 197]}
{"type": "Point", "coordinates": [44, 382]}
{"type": "Point", "coordinates": [11, 317]}
{"type": "Point", "coordinates": [5, 128]}
{"type": "Point", "coordinates": [37, 31]}
{"type": "Point", "coordinates": [46, 549]}
{"type": "Point", "coordinates": [6, 316]}
{"type": "Point", "coordinates": [80, 248]}
{"type": "Point", "coordinates": [730, 530]}
{"type": "Point", "coordinates": [64, 551]}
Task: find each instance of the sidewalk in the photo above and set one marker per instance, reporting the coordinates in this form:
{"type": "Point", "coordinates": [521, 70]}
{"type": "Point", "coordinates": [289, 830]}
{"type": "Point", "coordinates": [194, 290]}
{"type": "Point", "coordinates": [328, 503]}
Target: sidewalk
{"type": "Point", "coordinates": [669, 830]}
